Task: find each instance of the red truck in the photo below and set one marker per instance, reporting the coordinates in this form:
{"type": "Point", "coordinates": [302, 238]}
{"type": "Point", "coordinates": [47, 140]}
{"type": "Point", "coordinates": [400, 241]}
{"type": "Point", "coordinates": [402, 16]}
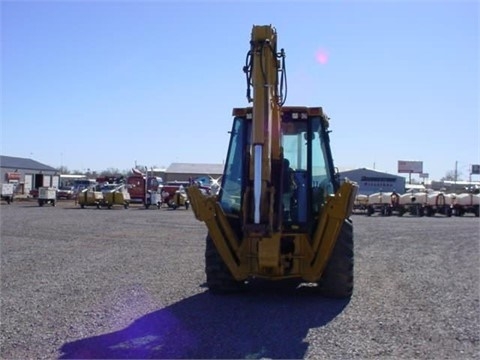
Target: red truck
{"type": "Point", "coordinates": [136, 186]}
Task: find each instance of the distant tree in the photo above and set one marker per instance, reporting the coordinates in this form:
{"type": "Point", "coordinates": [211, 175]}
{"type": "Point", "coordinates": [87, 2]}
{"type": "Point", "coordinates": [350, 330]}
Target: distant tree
{"type": "Point", "coordinates": [89, 174]}
{"type": "Point", "coordinates": [450, 176]}
{"type": "Point", "coordinates": [113, 172]}
{"type": "Point", "coordinates": [92, 174]}
{"type": "Point", "coordinates": [63, 170]}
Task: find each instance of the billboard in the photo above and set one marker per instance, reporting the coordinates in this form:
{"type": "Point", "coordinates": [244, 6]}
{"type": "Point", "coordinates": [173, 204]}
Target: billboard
{"type": "Point", "coordinates": [475, 170]}
{"type": "Point", "coordinates": [410, 166]}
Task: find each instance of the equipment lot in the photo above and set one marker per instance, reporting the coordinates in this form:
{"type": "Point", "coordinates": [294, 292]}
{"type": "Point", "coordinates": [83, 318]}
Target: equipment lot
{"type": "Point", "coordinates": [127, 283]}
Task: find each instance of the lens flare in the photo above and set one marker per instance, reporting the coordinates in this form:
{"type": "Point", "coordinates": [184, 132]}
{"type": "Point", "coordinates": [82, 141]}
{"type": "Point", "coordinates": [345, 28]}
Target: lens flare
{"type": "Point", "coordinates": [321, 56]}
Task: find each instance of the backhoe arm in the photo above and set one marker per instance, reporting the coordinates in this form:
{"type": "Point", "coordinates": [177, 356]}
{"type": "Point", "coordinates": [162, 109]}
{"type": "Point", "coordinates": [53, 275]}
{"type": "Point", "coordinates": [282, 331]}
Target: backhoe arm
{"type": "Point", "coordinates": [262, 74]}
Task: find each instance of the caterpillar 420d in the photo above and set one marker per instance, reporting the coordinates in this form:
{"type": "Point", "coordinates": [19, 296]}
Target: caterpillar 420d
{"type": "Point", "coordinates": [281, 212]}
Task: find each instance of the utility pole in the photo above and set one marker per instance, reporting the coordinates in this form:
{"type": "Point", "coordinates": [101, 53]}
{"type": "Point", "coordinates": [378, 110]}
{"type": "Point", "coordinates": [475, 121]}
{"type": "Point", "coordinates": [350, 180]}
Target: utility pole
{"type": "Point", "coordinates": [456, 174]}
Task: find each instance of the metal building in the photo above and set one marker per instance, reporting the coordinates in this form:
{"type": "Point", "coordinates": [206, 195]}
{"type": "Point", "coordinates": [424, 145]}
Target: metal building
{"type": "Point", "coordinates": [186, 171]}
{"type": "Point", "coordinates": [26, 174]}
{"type": "Point", "coordinates": [372, 181]}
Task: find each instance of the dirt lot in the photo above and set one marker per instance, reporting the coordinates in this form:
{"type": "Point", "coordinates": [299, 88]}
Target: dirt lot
{"type": "Point", "coordinates": [129, 283]}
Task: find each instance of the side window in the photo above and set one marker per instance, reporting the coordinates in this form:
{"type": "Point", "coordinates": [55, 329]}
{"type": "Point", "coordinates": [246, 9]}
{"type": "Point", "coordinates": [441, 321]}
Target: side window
{"type": "Point", "coordinates": [321, 178]}
{"type": "Point", "coordinates": [231, 189]}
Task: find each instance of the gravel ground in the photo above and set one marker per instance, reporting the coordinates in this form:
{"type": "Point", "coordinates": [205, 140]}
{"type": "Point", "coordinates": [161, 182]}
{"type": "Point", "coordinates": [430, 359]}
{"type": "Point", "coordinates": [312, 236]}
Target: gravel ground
{"type": "Point", "coordinates": [129, 283]}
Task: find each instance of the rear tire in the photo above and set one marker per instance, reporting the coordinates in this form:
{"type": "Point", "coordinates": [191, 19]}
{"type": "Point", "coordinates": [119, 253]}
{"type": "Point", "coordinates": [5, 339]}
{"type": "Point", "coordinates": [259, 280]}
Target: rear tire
{"type": "Point", "coordinates": [337, 278]}
{"type": "Point", "coordinates": [370, 211]}
{"type": "Point", "coordinates": [219, 278]}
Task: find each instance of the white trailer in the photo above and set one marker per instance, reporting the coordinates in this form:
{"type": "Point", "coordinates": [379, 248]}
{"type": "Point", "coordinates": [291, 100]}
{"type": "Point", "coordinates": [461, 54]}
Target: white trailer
{"type": "Point", "coordinates": [47, 195]}
{"type": "Point", "coordinates": [413, 203]}
{"type": "Point", "coordinates": [384, 203]}
{"type": "Point", "coordinates": [7, 192]}
{"type": "Point", "coordinates": [439, 203]}
{"type": "Point", "coordinates": [466, 203]}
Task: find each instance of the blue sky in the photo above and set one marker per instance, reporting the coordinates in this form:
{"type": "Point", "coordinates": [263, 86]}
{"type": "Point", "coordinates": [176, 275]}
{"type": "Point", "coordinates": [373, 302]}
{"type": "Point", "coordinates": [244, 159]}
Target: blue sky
{"type": "Point", "coordinates": [105, 84]}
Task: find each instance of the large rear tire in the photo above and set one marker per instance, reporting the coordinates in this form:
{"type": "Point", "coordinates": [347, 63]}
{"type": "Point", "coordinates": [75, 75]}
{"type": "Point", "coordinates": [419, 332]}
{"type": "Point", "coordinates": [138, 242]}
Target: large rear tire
{"type": "Point", "coordinates": [219, 277]}
{"type": "Point", "coordinates": [337, 278]}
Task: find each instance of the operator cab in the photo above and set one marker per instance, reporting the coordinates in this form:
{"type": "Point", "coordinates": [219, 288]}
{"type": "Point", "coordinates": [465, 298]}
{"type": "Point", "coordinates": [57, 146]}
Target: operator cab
{"type": "Point", "coordinates": [310, 170]}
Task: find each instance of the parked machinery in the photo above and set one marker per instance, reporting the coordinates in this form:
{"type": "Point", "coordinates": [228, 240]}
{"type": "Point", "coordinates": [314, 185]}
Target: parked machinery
{"type": "Point", "coordinates": [272, 218]}
{"type": "Point", "coordinates": [175, 195]}
{"type": "Point", "coordinates": [413, 203]}
{"type": "Point", "coordinates": [115, 194]}
{"type": "Point", "coordinates": [7, 192]}
{"type": "Point", "coordinates": [141, 185]}
{"type": "Point", "coordinates": [179, 198]}
{"type": "Point", "coordinates": [384, 203]}
{"type": "Point", "coordinates": [47, 195]}
{"type": "Point", "coordinates": [438, 203]}
{"type": "Point", "coordinates": [426, 203]}
{"type": "Point", "coordinates": [154, 198]}
{"type": "Point", "coordinates": [90, 197]}
{"type": "Point", "coordinates": [361, 203]}
{"type": "Point", "coordinates": [466, 203]}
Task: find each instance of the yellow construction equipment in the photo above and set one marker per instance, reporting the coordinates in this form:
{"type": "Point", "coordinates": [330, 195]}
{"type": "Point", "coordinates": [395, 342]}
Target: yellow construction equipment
{"type": "Point", "coordinates": [281, 212]}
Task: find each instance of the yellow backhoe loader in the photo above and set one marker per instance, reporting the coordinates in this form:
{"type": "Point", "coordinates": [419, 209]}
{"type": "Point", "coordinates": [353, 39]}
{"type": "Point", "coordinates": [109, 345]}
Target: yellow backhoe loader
{"type": "Point", "coordinates": [281, 212]}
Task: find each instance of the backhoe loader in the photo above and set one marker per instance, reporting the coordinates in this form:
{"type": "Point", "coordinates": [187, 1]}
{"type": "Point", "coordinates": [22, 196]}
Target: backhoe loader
{"type": "Point", "coordinates": [281, 212]}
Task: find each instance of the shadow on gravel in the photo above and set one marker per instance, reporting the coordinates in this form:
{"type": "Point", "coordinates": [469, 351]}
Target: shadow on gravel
{"type": "Point", "coordinates": [265, 323]}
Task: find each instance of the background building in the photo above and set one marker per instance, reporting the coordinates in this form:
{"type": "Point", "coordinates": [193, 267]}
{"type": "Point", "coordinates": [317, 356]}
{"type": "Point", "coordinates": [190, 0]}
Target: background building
{"type": "Point", "coordinates": [26, 174]}
{"type": "Point", "coordinates": [186, 171]}
{"type": "Point", "coordinates": [373, 181]}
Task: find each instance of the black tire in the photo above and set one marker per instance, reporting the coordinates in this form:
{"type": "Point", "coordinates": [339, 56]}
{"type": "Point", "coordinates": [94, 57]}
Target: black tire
{"type": "Point", "coordinates": [219, 278]}
{"type": "Point", "coordinates": [421, 211]}
{"type": "Point", "coordinates": [449, 212]}
{"type": "Point", "coordinates": [370, 211]}
{"type": "Point", "coordinates": [187, 205]}
{"type": "Point", "coordinates": [337, 278]}
{"type": "Point", "coordinates": [82, 206]}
